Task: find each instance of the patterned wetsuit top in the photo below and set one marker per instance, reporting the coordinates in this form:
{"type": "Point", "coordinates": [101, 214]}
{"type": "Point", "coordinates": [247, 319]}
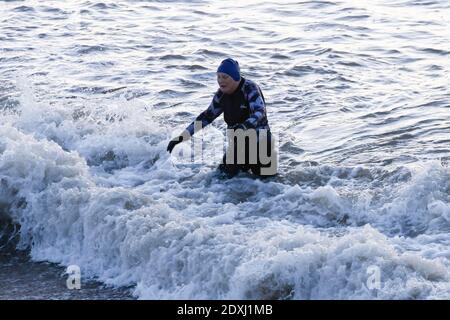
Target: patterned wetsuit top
{"type": "Point", "coordinates": [246, 105]}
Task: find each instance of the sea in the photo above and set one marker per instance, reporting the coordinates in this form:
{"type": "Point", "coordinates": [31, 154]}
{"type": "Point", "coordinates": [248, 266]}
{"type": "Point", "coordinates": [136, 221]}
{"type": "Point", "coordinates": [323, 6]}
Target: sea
{"type": "Point", "coordinates": [92, 206]}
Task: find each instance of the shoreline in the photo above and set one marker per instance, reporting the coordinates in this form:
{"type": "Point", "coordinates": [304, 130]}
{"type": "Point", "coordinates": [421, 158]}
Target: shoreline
{"type": "Point", "coordinates": [23, 279]}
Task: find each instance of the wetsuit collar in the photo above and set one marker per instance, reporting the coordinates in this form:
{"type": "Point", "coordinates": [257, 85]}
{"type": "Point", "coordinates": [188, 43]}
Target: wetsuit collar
{"type": "Point", "coordinates": [239, 87]}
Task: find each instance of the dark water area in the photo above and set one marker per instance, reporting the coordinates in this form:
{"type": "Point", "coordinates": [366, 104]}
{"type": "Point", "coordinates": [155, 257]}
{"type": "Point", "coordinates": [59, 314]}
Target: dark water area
{"type": "Point", "coordinates": [23, 279]}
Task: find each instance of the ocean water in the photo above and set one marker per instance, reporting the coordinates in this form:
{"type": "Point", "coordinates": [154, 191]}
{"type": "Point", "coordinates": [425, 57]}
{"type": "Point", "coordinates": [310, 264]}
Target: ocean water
{"type": "Point", "coordinates": [357, 95]}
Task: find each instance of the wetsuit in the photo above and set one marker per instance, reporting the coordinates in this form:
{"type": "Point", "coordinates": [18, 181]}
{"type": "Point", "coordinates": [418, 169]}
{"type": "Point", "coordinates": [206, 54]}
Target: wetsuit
{"type": "Point", "coordinates": [246, 106]}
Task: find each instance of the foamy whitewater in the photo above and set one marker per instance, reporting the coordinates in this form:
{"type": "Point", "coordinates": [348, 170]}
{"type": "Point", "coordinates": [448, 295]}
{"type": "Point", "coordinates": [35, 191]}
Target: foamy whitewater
{"type": "Point", "coordinates": [358, 95]}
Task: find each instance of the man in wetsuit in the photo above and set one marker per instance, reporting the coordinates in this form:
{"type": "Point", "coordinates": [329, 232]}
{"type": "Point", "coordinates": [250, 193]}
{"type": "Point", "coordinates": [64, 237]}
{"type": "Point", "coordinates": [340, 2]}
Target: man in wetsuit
{"type": "Point", "coordinates": [242, 103]}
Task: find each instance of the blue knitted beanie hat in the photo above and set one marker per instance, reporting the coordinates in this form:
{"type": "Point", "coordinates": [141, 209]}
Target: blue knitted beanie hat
{"type": "Point", "coordinates": [231, 68]}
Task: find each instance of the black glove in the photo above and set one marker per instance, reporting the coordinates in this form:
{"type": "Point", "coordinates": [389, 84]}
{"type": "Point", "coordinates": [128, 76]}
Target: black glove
{"type": "Point", "coordinates": [173, 143]}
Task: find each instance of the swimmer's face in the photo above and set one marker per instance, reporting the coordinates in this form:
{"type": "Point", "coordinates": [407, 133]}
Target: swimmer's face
{"type": "Point", "coordinates": [226, 83]}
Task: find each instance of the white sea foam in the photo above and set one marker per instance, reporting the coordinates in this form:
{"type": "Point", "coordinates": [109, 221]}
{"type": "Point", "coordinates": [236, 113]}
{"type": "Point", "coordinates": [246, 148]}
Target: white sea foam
{"type": "Point", "coordinates": [180, 232]}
